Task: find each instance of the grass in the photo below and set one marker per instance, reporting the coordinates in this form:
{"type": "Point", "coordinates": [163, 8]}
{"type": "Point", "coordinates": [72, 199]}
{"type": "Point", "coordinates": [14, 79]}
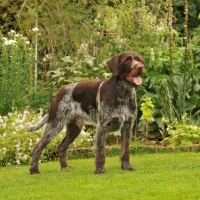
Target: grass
{"type": "Point", "coordinates": [157, 176]}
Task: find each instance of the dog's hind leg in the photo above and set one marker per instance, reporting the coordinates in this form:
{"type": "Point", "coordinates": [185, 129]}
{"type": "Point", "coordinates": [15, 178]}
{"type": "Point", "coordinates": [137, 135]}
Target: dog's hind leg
{"type": "Point", "coordinates": [73, 130]}
{"type": "Point", "coordinates": [125, 142]}
{"type": "Point", "coordinates": [51, 130]}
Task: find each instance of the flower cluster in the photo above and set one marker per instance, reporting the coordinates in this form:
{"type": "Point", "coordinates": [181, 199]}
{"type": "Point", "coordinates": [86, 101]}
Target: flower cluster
{"type": "Point", "coordinates": [16, 144]}
{"type": "Point", "coordinates": [152, 54]}
{"type": "Point", "coordinates": [14, 38]}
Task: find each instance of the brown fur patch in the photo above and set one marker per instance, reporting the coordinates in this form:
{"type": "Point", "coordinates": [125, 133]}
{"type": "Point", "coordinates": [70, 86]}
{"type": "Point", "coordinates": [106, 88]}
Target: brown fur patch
{"type": "Point", "coordinates": [108, 90]}
{"type": "Point", "coordinates": [85, 93]}
{"type": "Point", "coordinates": [54, 105]}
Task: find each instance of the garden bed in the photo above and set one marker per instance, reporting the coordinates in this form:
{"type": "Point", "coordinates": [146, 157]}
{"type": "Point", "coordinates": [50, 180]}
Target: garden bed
{"type": "Point", "coordinates": [138, 149]}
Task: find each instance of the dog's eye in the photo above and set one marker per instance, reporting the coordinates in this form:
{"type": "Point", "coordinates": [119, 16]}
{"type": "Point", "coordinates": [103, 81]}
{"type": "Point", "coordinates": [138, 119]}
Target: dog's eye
{"type": "Point", "coordinates": [128, 59]}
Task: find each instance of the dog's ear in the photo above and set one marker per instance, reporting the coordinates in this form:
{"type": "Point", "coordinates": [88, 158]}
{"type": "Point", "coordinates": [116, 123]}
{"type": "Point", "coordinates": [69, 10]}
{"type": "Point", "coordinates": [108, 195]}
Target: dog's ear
{"type": "Point", "coordinates": [113, 65]}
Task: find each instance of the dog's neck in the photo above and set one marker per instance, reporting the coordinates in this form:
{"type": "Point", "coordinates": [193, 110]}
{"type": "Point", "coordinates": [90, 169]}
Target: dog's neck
{"type": "Point", "coordinates": [124, 89]}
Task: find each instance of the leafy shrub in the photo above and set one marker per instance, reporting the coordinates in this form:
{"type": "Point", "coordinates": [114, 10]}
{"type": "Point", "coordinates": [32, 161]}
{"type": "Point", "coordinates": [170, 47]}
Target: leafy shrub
{"type": "Point", "coordinates": [16, 145]}
{"type": "Point", "coordinates": [182, 134]}
{"type": "Point", "coordinates": [80, 69]}
{"type": "Point", "coordinates": [15, 63]}
{"type": "Point", "coordinates": [40, 99]}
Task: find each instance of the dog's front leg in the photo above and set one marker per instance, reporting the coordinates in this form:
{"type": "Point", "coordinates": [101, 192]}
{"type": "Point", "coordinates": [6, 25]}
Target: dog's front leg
{"type": "Point", "coordinates": [126, 132]}
{"type": "Point", "coordinates": [100, 150]}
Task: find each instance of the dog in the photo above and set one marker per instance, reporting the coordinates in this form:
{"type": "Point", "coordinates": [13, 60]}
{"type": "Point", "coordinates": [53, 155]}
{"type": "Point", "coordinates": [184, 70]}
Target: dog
{"type": "Point", "coordinates": [110, 104]}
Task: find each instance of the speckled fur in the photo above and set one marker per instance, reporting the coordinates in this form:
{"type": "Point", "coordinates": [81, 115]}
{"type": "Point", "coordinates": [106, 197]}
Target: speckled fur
{"type": "Point", "coordinates": [110, 104]}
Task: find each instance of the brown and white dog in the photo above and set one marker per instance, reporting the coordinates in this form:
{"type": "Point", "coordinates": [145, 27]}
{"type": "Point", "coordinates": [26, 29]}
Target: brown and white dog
{"type": "Point", "coordinates": [110, 103]}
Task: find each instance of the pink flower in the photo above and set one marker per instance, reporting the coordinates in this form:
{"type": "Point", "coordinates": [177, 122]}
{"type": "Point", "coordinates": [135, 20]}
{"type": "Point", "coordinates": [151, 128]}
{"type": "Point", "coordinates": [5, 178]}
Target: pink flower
{"type": "Point", "coordinates": [105, 33]}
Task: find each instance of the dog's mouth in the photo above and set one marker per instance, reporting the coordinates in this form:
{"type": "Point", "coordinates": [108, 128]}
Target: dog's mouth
{"type": "Point", "coordinates": [136, 80]}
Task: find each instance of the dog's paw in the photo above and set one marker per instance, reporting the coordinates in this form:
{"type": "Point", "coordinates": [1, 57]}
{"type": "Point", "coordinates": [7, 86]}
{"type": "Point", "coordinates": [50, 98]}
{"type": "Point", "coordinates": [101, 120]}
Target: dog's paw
{"type": "Point", "coordinates": [127, 167]}
{"type": "Point", "coordinates": [66, 167]}
{"type": "Point", "coordinates": [100, 171]}
{"type": "Point", "coordinates": [34, 171]}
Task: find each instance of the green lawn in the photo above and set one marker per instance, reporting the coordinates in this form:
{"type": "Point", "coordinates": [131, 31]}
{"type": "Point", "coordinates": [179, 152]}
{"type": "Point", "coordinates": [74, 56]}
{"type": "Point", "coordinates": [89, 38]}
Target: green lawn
{"type": "Point", "coordinates": [158, 176]}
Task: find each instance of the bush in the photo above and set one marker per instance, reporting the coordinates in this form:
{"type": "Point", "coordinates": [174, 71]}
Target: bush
{"type": "Point", "coordinates": [15, 63]}
{"type": "Point", "coordinates": [182, 134]}
{"type": "Point", "coordinates": [40, 99]}
{"type": "Point", "coordinates": [17, 145]}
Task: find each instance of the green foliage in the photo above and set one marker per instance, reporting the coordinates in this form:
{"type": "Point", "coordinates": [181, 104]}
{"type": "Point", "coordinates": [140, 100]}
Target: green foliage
{"type": "Point", "coordinates": [182, 133]}
{"type": "Point", "coordinates": [147, 115]}
{"type": "Point", "coordinates": [146, 108]}
{"type": "Point", "coordinates": [193, 11]}
{"type": "Point", "coordinates": [78, 28]}
{"type": "Point", "coordinates": [40, 99]}
{"type": "Point", "coordinates": [175, 90]}
{"type": "Point", "coordinates": [77, 70]}
{"type": "Point", "coordinates": [15, 66]}
{"type": "Point", "coordinates": [17, 145]}
{"type": "Point", "coordinates": [81, 35]}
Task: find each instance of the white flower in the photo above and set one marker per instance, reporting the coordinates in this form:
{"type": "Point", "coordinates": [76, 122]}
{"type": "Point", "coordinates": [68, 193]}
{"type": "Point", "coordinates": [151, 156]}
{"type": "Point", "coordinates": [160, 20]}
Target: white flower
{"type": "Point", "coordinates": [4, 134]}
{"type": "Point", "coordinates": [18, 147]}
{"type": "Point", "coordinates": [74, 143]}
{"type": "Point", "coordinates": [10, 42]}
{"type": "Point", "coordinates": [25, 157]}
{"type": "Point", "coordinates": [83, 132]}
{"type": "Point", "coordinates": [89, 139]}
{"type": "Point", "coordinates": [39, 117]}
{"type": "Point", "coordinates": [18, 162]}
{"type": "Point", "coordinates": [152, 54]}
{"type": "Point", "coordinates": [35, 29]}
{"type": "Point", "coordinates": [4, 150]}
{"type": "Point", "coordinates": [9, 114]}
{"type": "Point", "coordinates": [30, 143]}
{"type": "Point", "coordinates": [21, 126]}
{"type": "Point", "coordinates": [12, 31]}
{"type": "Point", "coordinates": [17, 35]}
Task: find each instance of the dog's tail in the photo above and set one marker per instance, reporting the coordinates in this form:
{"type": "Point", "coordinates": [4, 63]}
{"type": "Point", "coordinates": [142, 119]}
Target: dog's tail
{"type": "Point", "coordinates": [39, 124]}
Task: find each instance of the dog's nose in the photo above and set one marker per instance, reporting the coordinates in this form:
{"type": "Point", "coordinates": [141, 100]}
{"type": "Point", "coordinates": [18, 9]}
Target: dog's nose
{"type": "Point", "coordinates": [140, 68]}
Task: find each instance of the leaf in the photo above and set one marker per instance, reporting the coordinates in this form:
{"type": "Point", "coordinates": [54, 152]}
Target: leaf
{"type": "Point", "coordinates": [77, 79]}
{"type": "Point", "coordinates": [117, 133]}
{"type": "Point", "coordinates": [160, 123]}
{"type": "Point", "coordinates": [196, 87]}
{"type": "Point", "coordinates": [67, 59]}
{"type": "Point", "coordinates": [55, 75]}
{"type": "Point", "coordinates": [189, 106]}
{"type": "Point", "coordinates": [141, 125]}
{"type": "Point", "coordinates": [178, 80]}
{"type": "Point", "coordinates": [194, 99]}
{"type": "Point", "coordinates": [60, 79]}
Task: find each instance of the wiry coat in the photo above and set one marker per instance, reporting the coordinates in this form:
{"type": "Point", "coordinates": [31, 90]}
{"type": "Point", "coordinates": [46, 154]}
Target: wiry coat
{"type": "Point", "coordinates": [110, 104]}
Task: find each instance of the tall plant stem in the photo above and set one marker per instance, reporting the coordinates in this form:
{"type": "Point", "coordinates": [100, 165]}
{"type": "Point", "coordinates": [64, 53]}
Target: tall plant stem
{"type": "Point", "coordinates": [170, 21]}
{"type": "Point", "coordinates": [186, 51]}
{"type": "Point", "coordinates": [36, 55]}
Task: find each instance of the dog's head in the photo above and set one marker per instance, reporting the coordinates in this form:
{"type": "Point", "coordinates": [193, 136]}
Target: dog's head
{"type": "Point", "coordinates": [128, 66]}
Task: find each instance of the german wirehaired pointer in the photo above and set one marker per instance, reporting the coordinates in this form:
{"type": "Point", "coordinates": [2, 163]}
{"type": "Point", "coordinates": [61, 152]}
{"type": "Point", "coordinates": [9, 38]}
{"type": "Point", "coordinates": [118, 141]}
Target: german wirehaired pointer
{"type": "Point", "coordinates": [110, 103]}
